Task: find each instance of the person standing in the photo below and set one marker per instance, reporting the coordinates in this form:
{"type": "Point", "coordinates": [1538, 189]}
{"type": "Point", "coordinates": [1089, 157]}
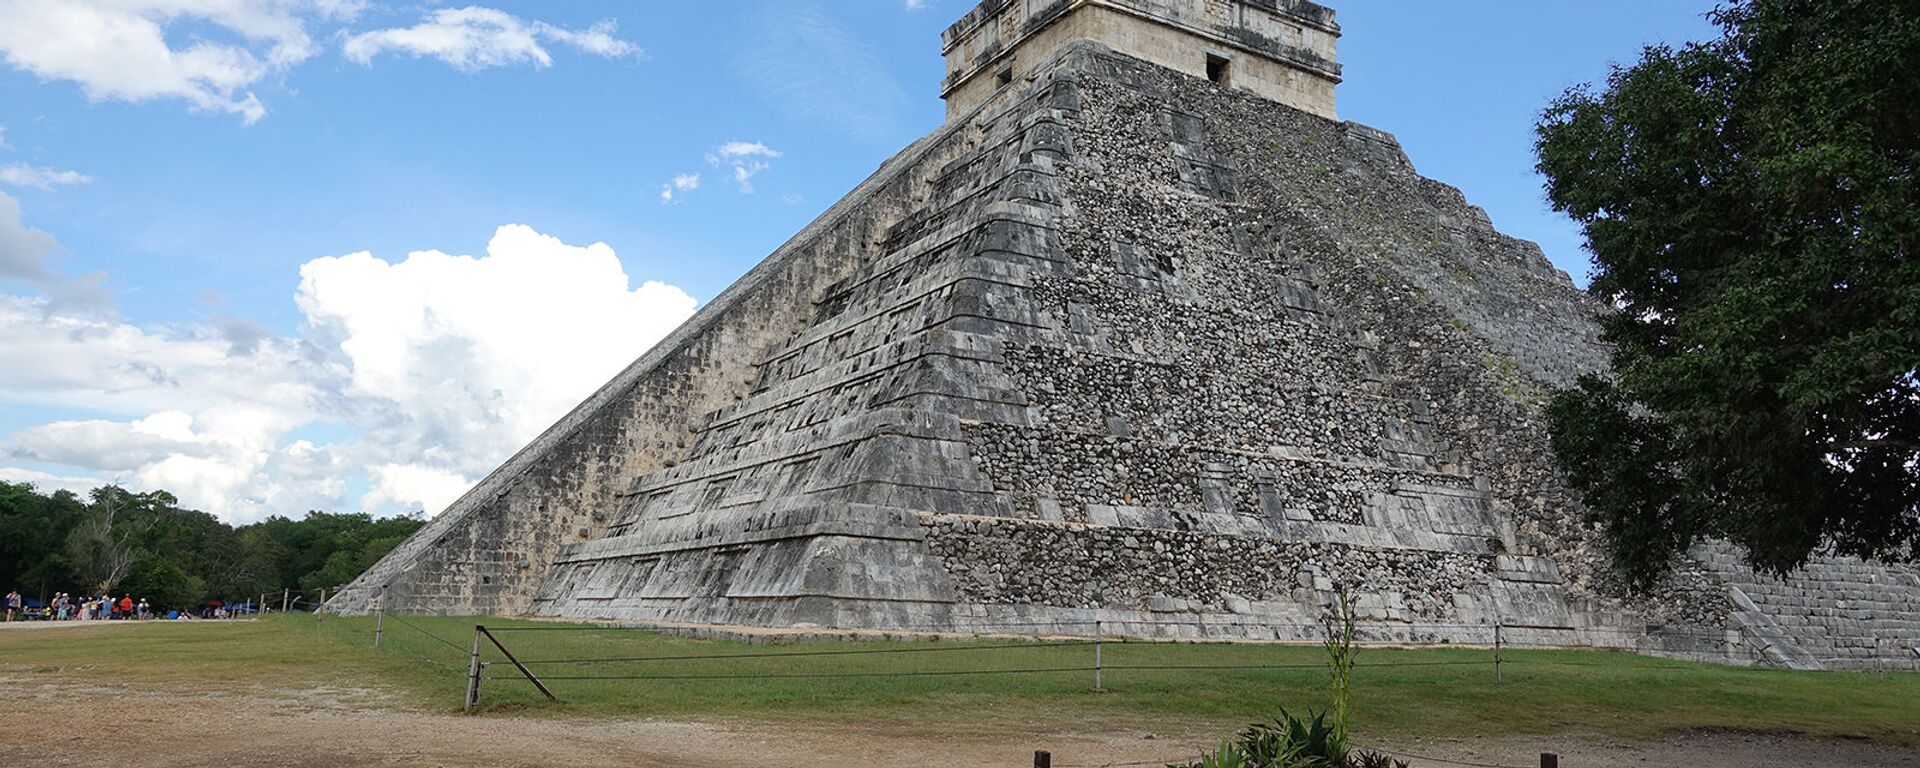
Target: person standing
{"type": "Point", "coordinates": [13, 604]}
{"type": "Point", "coordinates": [124, 609]}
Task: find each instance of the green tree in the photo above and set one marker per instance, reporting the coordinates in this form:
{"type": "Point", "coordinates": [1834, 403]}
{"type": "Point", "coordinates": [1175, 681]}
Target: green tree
{"type": "Point", "coordinates": [348, 563]}
{"type": "Point", "coordinates": [1752, 205]}
{"type": "Point", "coordinates": [164, 585]}
{"type": "Point", "coordinates": [33, 534]}
{"type": "Point", "coordinates": [105, 545]}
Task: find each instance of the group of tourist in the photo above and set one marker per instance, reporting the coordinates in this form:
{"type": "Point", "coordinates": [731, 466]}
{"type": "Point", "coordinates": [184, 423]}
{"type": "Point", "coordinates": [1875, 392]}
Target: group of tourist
{"type": "Point", "coordinates": [65, 607]}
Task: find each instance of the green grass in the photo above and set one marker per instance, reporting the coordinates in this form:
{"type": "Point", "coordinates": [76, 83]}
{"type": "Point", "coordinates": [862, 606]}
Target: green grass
{"type": "Point", "coordinates": [1442, 691]}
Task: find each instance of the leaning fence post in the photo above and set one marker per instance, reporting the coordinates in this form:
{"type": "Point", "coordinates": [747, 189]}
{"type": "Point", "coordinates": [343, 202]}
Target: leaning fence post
{"type": "Point", "coordinates": [1498, 642]}
{"type": "Point", "coordinates": [1098, 666]}
{"type": "Point", "coordinates": [286, 596]}
{"type": "Point", "coordinates": [1042, 759]}
{"type": "Point", "coordinates": [517, 665]}
{"type": "Point", "coordinates": [473, 671]}
{"type": "Point", "coordinates": [380, 618]}
{"type": "Point", "coordinates": [320, 610]}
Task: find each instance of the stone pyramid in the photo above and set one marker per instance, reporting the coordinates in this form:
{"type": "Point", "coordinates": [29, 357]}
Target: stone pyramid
{"type": "Point", "coordinates": [1142, 335]}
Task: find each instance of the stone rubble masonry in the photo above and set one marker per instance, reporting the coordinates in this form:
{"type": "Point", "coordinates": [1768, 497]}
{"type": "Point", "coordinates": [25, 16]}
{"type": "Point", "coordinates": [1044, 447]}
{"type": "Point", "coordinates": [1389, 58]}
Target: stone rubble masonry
{"type": "Point", "coordinates": [1118, 345]}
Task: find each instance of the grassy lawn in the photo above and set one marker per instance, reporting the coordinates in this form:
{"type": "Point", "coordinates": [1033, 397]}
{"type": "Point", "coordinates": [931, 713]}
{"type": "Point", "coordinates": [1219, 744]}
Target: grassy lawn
{"type": "Point", "coordinates": [1425, 692]}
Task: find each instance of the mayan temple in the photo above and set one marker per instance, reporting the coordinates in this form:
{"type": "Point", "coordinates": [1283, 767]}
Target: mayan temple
{"type": "Point", "coordinates": [1143, 334]}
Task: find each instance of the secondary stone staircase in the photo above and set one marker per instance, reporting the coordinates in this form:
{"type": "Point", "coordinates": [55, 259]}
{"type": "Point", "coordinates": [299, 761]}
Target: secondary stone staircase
{"type": "Point", "coordinates": [1836, 613]}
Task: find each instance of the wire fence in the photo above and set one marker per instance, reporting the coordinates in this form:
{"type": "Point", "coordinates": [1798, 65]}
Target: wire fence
{"type": "Point", "coordinates": [1498, 639]}
{"type": "Point", "coordinates": [633, 667]}
{"type": "Point", "coordinates": [594, 658]}
{"type": "Point", "coordinates": [1719, 645]}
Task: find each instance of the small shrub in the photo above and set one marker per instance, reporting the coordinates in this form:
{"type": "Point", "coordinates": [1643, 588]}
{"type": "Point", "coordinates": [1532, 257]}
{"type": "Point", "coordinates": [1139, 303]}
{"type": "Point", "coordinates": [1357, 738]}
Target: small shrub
{"type": "Point", "coordinates": [1319, 740]}
{"type": "Point", "coordinates": [1288, 742]}
{"type": "Point", "coordinates": [1365, 759]}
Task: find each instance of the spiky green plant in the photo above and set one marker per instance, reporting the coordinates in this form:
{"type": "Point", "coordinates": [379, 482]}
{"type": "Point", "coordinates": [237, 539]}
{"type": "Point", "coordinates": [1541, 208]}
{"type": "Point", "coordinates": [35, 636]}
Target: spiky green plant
{"type": "Point", "coordinates": [1341, 653]}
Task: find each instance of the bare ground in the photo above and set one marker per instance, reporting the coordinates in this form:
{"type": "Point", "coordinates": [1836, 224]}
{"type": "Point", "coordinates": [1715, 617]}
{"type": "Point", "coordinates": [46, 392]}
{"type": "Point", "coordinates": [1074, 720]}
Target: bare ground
{"type": "Point", "coordinates": [64, 723]}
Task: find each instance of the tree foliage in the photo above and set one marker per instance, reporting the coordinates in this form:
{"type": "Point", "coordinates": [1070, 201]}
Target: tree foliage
{"type": "Point", "coordinates": [1752, 205]}
{"type": "Point", "coordinates": [146, 545]}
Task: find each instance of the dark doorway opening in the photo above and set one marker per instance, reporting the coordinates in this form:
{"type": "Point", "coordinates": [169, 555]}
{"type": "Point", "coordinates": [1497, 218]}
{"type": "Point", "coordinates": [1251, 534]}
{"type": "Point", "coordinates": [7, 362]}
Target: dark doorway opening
{"type": "Point", "coordinates": [1220, 69]}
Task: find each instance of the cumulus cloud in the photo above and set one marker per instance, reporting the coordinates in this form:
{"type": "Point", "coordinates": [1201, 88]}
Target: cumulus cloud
{"type": "Point", "coordinates": [23, 250]}
{"type": "Point", "coordinates": [205, 423]}
{"type": "Point", "coordinates": [686, 182]}
{"type": "Point", "coordinates": [211, 53]}
{"type": "Point", "coordinates": [475, 38]}
{"type": "Point", "coordinates": [413, 488]}
{"type": "Point", "coordinates": [47, 482]}
{"type": "Point", "coordinates": [447, 338]}
{"type": "Point", "coordinates": [746, 158]}
{"type": "Point", "coordinates": [23, 175]}
{"type": "Point", "coordinates": [120, 49]}
{"type": "Point", "coordinates": [435, 368]}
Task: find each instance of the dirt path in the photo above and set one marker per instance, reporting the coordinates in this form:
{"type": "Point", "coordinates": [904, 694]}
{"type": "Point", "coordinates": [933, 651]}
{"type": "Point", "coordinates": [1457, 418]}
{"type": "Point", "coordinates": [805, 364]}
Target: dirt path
{"type": "Point", "coordinates": [61, 724]}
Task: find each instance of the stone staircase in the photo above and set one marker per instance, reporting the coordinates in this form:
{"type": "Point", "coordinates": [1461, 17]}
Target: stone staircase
{"type": "Point", "coordinates": [1836, 613]}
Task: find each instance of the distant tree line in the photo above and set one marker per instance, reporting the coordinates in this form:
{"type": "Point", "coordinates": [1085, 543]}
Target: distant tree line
{"type": "Point", "coordinates": [144, 544]}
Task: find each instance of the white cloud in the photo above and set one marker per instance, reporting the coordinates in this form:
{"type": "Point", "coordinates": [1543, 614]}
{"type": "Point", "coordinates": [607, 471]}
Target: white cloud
{"type": "Point", "coordinates": [486, 351]}
{"type": "Point", "coordinates": [747, 159]}
{"type": "Point", "coordinates": [119, 49]}
{"type": "Point", "coordinates": [206, 422]}
{"type": "Point", "coordinates": [686, 182]}
{"type": "Point", "coordinates": [23, 250]}
{"type": "Point", "coordinates": [47, 482]}
{"type": "Point", "coordinates": [413, 488]}
{"type": "Point", "coordinates": [734, 150]}
{"type": "Point", "coordinates": [475, 38]}
{"type": "Point", "coordinates": [23, 175]}
{"type": "Point", "coordinates": [110, 445]}
{"type": "Point", "coordinates": [438, 366]}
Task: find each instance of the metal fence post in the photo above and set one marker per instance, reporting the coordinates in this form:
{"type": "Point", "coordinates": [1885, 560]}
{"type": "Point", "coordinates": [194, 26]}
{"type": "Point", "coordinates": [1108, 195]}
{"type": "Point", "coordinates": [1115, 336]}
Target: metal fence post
{"type": "Point", "coordinates": [473, 671]}
{"type": "Point", "coordinates": [1498, 643]}
{"type": "Point", "coordinates": [1042, 759]}
{"type": "Point", "coordinates": [1098, 666]}
{"type": "Point", "coordinates": [320, 610]}
{"type": "Point", "coordinates": [511, 659]}
{"type": "Point", "coordinates": [286, 598]}
{"type": "Point", "coordinates": [1549, 760]}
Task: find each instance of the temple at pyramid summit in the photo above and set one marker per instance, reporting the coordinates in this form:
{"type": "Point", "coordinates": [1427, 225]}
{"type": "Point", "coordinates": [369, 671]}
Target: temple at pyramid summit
{"type": "Point", "coordinates": [1143, 335]}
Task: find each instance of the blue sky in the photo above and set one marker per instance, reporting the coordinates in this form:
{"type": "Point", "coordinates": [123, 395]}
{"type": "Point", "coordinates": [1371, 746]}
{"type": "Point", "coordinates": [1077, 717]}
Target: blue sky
{"type": "Point", "coordinates": [210, 210]}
